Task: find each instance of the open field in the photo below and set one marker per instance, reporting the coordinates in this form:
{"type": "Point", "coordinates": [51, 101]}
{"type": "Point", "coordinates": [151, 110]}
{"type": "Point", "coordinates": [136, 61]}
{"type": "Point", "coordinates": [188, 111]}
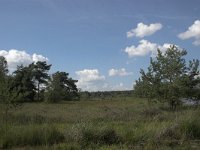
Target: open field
{"type": "Point", "coordinates": [101, 124]}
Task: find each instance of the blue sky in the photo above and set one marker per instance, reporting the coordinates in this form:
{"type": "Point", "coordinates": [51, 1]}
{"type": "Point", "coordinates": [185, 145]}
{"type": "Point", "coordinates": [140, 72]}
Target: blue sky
{"type": "Point", "coordinates": [89, 40]}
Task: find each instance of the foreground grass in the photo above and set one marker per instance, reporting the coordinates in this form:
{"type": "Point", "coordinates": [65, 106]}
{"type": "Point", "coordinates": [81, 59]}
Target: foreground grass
{"type": "Point", "coordinates": [109, 124]}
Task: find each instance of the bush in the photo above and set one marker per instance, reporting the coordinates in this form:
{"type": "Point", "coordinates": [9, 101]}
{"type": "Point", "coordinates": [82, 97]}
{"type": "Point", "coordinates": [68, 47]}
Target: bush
{"type": "Point", "coordinates": [106, 136]}
{"type": "Point", "coordinates": [170, 135]}
{"type": "Point", "coordinates": [53, 96]}
{"type": "Point", "coordinates": [192, 128]}
{"type": "Point", "coordinates": [87, 135]}
{"type": "Point", "coordinates": [109, 136]}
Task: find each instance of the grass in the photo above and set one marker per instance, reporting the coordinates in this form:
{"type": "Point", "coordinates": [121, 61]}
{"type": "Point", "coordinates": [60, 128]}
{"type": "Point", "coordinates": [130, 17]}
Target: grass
{"type": "Point", "coordinates": [105, 124]}
{"type": "Point", "coordinates": [31, 135]}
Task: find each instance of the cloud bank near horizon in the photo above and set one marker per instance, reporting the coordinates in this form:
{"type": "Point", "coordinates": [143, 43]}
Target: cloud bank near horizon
{"type": "Point", "coordinates": [20, 57]}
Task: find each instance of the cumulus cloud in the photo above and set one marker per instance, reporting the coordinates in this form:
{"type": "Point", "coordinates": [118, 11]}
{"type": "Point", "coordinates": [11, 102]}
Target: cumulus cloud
{"type": "Point", "coordinates": [144, 48]}
{"type": "Point", "coordinates": [89, 79]}
{"type": "Point", "coordinates": [16, 57]}
{"type": "Point", "coordinates": [118, 72]}
{"type": "Point", "coordinates": [192, 32]}
{"type": "Point", "coordinates": [92, 80]}
{"type": "Point", "coordinates": [143, 30]}
{"type": "Point", "coordinates": [88, 75]}
{"type": "Point", "coordinates": [37, 58]}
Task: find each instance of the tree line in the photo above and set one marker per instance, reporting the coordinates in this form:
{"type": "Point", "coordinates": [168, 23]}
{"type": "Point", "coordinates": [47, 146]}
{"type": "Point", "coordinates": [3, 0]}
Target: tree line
{"type": "Point", "coordinates": [105, 95]}
{"type": "Point", "coordinates": [33, 83]}
{"type": "Point", "coordinates": [169, 78]}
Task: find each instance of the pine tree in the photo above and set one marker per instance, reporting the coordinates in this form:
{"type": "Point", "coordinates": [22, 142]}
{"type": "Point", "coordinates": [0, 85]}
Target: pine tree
{"type": "Point", "coordinates": [40, 75]}
{"type": "Point", "coordinates": [3, 78]}
{"type": "Point", "coordinates": [61, 87]}
{"type": "Point", "coordinates": [167, 77]}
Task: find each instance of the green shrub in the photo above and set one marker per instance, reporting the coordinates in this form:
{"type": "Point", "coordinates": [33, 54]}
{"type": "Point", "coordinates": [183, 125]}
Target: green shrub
{"type": "Point", "coordinates": [109, 136]}
{"type": "Point", "coordinates": [169, 132]}
{"type": "Point", "coordinates": [105, 136]}
{"type": "Point", "coordinates": [191, 128]}
{"type": "Point", "coordinates": [170, 135]}
{"type": "Point", "coordinates": [87, 134]}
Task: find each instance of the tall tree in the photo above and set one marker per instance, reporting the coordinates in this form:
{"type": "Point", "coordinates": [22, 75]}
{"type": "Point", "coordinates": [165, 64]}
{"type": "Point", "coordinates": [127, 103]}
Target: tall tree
{"type": "Point", "coordinates": [22, 85]}
{"type": "Point", "coordinates": [3, 76]}
{"type": "Point", "coordinates": [166, 76]}
{"type": "Point", "coordinates": [61, 87]}
{"type": "Point", "coordinates": [40, 74]}
{"type": "Point", "coordinates": [3, 66]}
{"type": "Point", "coordinates": [193, 80]}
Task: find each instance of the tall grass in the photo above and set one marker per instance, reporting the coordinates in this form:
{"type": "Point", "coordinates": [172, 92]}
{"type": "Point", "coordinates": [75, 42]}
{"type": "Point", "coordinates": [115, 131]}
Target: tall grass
{"type": "Point", "coordinates": [31, 135]}
{"type": "Point", "coordinates": [87, 134]}
{"type": "Point", "coordinates": [108, 124]}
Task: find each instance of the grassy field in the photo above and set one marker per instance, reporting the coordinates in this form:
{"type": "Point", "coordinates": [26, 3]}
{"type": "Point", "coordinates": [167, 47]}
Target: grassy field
{"type": "Point", "coordinates": [105, 124]}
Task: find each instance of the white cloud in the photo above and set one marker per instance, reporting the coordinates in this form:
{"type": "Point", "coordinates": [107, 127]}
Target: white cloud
{"type": "Point", "coordinates": [118, 72]}
{"type": "Point", "coordinates": [15, 58]}
{"type": "Point", "coordinates": [88, 75]}
{"type": "Point", "coordinates": [89, 79]}
{"type": "Point", "coordinates": [192, 32]}
{"type": "Point", "coordinates": [144, 48]}
{"type": "Point", "coordinates": [37, 58]}
{"type": "Point", "coordinates": [143, 30]}
{"type": "Point", "coordinates": [162, 48]}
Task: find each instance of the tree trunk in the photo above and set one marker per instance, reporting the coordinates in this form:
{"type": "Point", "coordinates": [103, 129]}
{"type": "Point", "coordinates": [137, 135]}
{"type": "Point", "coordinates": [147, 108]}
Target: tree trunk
{"type": "Point", "coordinates": [38, 95]}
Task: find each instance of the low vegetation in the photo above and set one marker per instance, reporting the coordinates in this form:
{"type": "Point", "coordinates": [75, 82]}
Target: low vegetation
{"type": "Point", "coordinates": [101, 124]}
{"type": "Point", "coordinates": [41, 111]}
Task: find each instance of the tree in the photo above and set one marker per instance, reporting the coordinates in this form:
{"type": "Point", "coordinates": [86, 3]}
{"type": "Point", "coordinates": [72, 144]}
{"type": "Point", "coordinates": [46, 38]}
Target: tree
{"type": "Point", "coordinates": [6, 96]}
{"type": "Point", "coordinates": [22, 85]}
{"type": "Point", "coordinates": [3, 76]}
{"type": "Point", "coordinates": [166, 78]}
{"type": "Point", "coordinates": [3, 66]}
{"type": "Point", "coordinates": [61, 87]}
{"type": "Point", "coordinates": [40, 75]}
{"type": "Point", "coordinates": [193, 80]}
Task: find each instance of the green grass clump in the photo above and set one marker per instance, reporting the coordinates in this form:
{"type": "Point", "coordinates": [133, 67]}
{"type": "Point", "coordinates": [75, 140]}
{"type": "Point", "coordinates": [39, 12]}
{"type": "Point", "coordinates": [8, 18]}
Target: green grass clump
{"type": "Point", "coordinates": [191, 127]}
{"type": "Point", "coordinates": [31, 135]}
{"type": "Point", "coordinates": [87, 134]}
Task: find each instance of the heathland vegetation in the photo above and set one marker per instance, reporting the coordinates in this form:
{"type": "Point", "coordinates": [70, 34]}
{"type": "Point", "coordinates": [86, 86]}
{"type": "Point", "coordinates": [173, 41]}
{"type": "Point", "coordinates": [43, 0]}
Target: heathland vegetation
{"type": "Point", "coordinates": [43, 111]}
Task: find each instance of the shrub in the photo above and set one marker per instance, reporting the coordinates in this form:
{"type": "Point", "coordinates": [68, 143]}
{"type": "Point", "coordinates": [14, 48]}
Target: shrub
{"type": "Point", "coordinates": [87, 135]}
{"type": "Point", "coordinates": [109, 136]}
{"type": "Point", "coordinates": [170, 135]}
{"type": "Point", "coordinates": [191, 128]}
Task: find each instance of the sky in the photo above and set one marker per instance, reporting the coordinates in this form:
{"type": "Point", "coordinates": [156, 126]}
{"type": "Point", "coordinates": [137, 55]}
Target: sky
{"type": "Point", "coordinates": [101, 43]}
